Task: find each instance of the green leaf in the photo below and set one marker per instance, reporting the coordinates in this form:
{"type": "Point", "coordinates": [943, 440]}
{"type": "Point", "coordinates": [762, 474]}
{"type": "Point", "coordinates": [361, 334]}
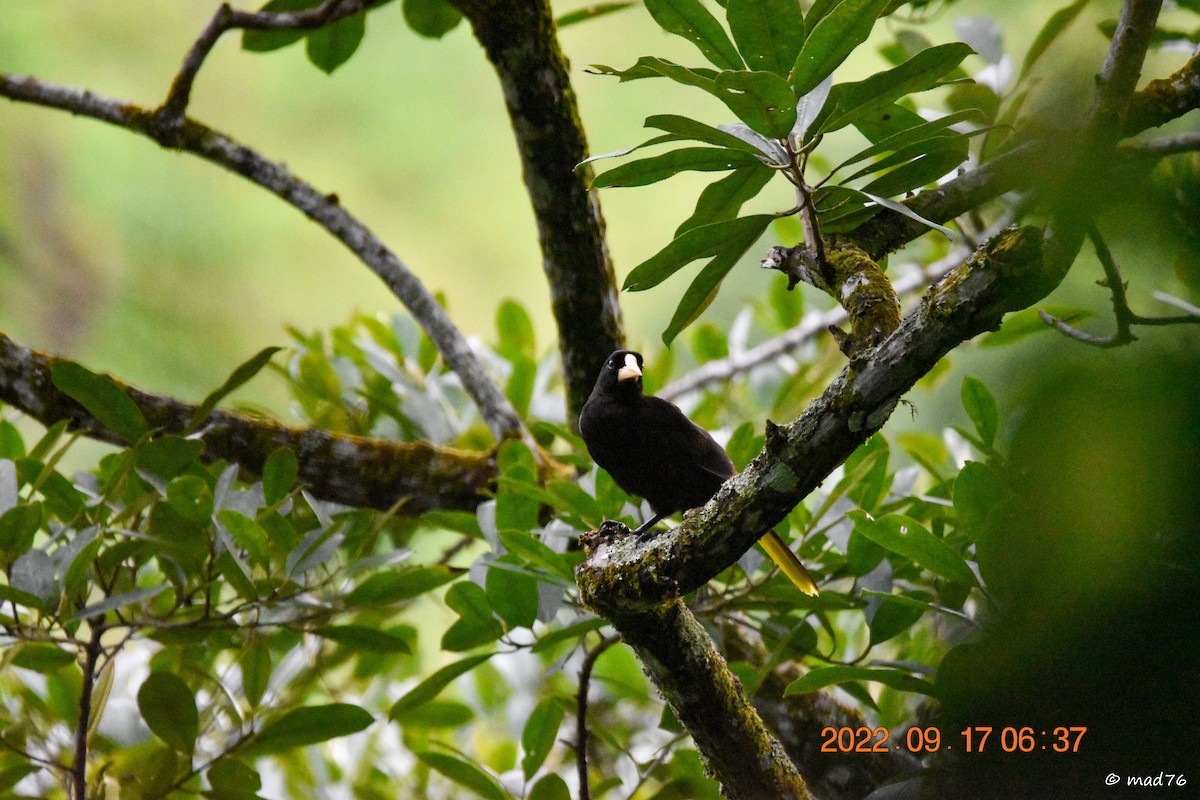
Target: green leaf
{"type": "Point", "coordinates": [18, 526]}
{"type": "Point", "coordinates": [653, 67]}
{"type": "Point", "coordinates": [700, 242]}
{"type": "Point", "coordinates": [1058, 22]}
{"type": "Point", "coordinates": [11, 443]}
{"type": "Point", "coordinates": [168, 455]}
{"type": "Point", "coordinates": [190, 498]}
{"type": "Point", "coordinates": [386, 588]}
{"type": "Point", "coordinates": [533, 551]}
{"type": "Point", "coordinates": [122, 600]}
{"type": "Point", "coordinates": [364, 638]}
{"type": "Point", "coordinates": [943, 141]}
{"type": "Point", "coordinates": [255, 661]}
{"type": "Point", "coordinates": [687, 128]}
{"type": "Point", "coordinates": [265, 41]}
{"type": "Point", "coordinates": [1019, 324]}
{"type": "Point", "coordinates": [921, 171]}
{"type": "Point", "coordinates": [169, 709]}
{"type": "Point", "coordinates": [244, 372]}
{"type": "Point", "coordinates": [432, 19]}
{"type": "Point", "coordinates": [332, 45]}
{"type": "Point", "coordinates": [514, 596]}
{"type": "Point", "coordinates": [769, 33]}
{"type": "Point", "coordinates": [551, 787]}
{"type": "Point", "coordinates": [476, 624]}
{"type": "Point", "coordinates": [248, 534]}
{"type": "Point", "coordinates": [590, 12]}
{"type": "Point", "coordinates": [762, 100]}
{"type": "Point", "coordinates": [439, 714]}
{"type": "Point", "coordinates": [309, 725]}
{"type": "Point", "coordinates": [539, 734]}
{"type": "Point", "coordinates": [650, 170]}
{"type": "Point", "coordinates": [432, 686]}
{"type": "Point", "coordinates": [466, 774]}
{"type": "Point", "coordinates": [980, 406]}
{"type": "Point", "coordinates": [904, 210]}
{"type": "Point", "coordinates": [515, 329]}
{"type": "Point", "coordinates": [232, 780]}
{"type": "Point", "coordinates": [832, 40]}
{"type": "Point", "coordinates": [279, 474]}
{"type": "Point", "coordinates": [909, 136]}
{"type": "Point", "coordinates": [701, 292]}
{"type": "Point", "coordinates": [44, 658]}
{"type": "Point", "coordinates": [21, 597]}
{"type": "Point", "coordinates": [821, 677]}
{"type": "Point", "coordinates": [576, 630]}
{"type": "Point", "coordinates": [917, 74]}
{"type": "Point", "coordinates": [893, 617]}
{"type": "Point", "coordinates": [101, 397]}
{"type": "Point", "coordinates": [908, 538]}
{"type": "Point", "coordinates": [692, 21]}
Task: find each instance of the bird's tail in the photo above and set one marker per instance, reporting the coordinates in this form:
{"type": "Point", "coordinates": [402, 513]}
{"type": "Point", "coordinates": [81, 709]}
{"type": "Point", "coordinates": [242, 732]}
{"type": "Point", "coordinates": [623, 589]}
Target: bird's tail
{"type": "Point", "coordinates": [786, 560]}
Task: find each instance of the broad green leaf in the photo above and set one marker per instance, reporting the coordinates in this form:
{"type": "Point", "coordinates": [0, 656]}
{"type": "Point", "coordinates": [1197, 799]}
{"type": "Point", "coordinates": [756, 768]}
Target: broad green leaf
{"type": "Point", "coordinates": [536, 553]}
{"type": "Point", "coordinates": [255, 661]}
{"type": "Point", "coordinates": [232, 779]}
{"type": "Point", "coordinates": [723, 199]}
{"type": "Point", "coordinates": [248, 534]}
{"type": "Point", "coordinates": [41, 657]}
{"type": "Point", "coordinates": [190, 497]}
{"type": "Point", "coordinates": [944, 140]}
{"type": "Point", "coordinates": [331, 46]}
{"type": "Point", "coordinates": [700, 242]}
{"type": "Point", "coordinates": [832, 40]}
{"type": "Point", "coordinates": [168, 455]}
{"type": "Point", "coordinates": [686, 128]}
{"type": "Point", "coordinates": [590, 12]}
{"type": "Point", "coordinates": [432, 19]}
{"type": "Point", "coordinates": [386, 588]}
{"type": "Point", "coordinates": [762, 100]}
{"type": "Point", "coordinates": [122, 600]}
{"type": "Point", "coordinates": [576, 630]}
{"type": "Point", "coordinates": [432, 686]}
{"type": "Point", "coordinates": [702, 291]}
{"type": "Point", "coordinates": [267, 40]}
{"type": "Point", "coordinates": [309, 725]}
{"type": "Point", "coordinates": [978, 492]}
{"type": "Point", "coordinates": [910, 539]}
{"type": "Point", "coordinates": [809, 109]}
{"type": "Point", "coordinates": [893, 617]}
{"type": "Point", "coordinates": [18, 526]}
{"type": "Point", "coordinates": [515, 329]}
{"type": "Point", "coordinates": [11, 443]}
{"type": "Point", "coordinates": [514, 596]}
{"type": "Point", "coordinates": [22, 597]}
{"type": "Point", "coordinates": [245, 372]}
{"type": "Point", "coordinates": [169, 709]}
{"type": "Point", "coordinates": [653, 67]}
{"type": "Point", "coordinates": [980, 406]}
{"type": "Point", "coordinates": [1058, 22]}
{"type": "Point", "coordinates": [439, 714]}
{"type": "Point", "coordinates": [692, 21]}
{"type": "Point", "coordinates": [909, 136]}
{"type": "Point", "coordinates": [279, 474]}
{"type": "Point", "coordinates": [101, 397]}
{"type": "Point", "coordinates": [476, 624]}
{"type": "Point", "coordinates": [466, 774]}
{"type": "Point", "coordinates": [540, 733]}
{"type": "Point", "coordinates": [364, 637]}
{"type": "Point", "coordinates": [821, 677]}
{"type": "Point", "coordinates": [552, 787]}
{"type": "Point", "coordinates": [921, 171]}
{"type": "Point", "coordinates": [769, 33]}
{"type": "Point", "coordinates": [917, 74]}
{"type": "Point", "coordinates": [656, 168]}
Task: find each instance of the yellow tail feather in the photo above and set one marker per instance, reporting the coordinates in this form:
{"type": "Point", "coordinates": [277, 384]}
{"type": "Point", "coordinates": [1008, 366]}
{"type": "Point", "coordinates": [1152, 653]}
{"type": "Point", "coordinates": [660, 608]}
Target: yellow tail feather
{"type": "Point", "coordinates": [786, 560]}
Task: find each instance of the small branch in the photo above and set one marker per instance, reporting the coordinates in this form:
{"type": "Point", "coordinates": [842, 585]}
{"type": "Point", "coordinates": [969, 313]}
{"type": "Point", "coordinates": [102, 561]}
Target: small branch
{"type": "Point", "coordinates": [1171, 300]}
{"type": "Point", "coordinates": [1162, 146]}
{"type": "Point", "coordinates": [172, 112]}
{"type": "Point", "coordinates": [324, 209]}
{"type": "Point", "coordinates": [1125, 316]}
{"type": "Point", "coordinates": [78, 774]}
{"type": "Point", "coordinates": [581, 706]}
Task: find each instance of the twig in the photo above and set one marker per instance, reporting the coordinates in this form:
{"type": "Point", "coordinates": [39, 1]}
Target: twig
{"type": "Point", "coordinates": [1125, 316]}
{"type": "Point", "coordinates": [1162, 146]}
{"type": "Point", "coordinates": [581, 706]}
{"type": "Point", "coordinates": [171, 114]}
{"type": "Point", "coordinates": [324, 209]}
{"type": "Point", "coordinates": [78, 774]}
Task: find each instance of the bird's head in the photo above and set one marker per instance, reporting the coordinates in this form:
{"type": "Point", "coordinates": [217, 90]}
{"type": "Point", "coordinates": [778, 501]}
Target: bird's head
{"type": "Point", "coordinates": [622, 372]}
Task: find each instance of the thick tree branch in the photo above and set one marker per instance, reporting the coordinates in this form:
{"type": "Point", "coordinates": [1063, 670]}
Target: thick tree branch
{"type": "Point", "coordinates": [520, 41]}
{"type": "Point", "coordinates": [324, 209]}
{"type": "Point", "coordinates": [351, 470]}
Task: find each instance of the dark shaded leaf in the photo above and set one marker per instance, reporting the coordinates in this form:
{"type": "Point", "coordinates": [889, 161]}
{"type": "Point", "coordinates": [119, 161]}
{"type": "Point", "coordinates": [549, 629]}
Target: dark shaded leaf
{"type": "Point", "coordinates": [821, 677]}
{"type": "Point", "coordinates": [701, 292]}
{"type": "Point", "coordinates": [514, 596]}
{"type": "Point", "coordinates": [309, 725]}
{"type": "Point", "coordinates": [832, 40]}
{"type": "Point", "coordinates": [332, 45]}
{"type": "Point", "coordinates": [762, 100]}
{"type": "Point", "coordinates": [279, 474]}
{"type": "Point", "coordinates": [386, 588]}
{"type": "Point", "coordinates": [893, 617]}
{"type": "Point", "coordinates": [245, 372]}
{"type": "Point", "coordinates": [700, 242]}
{"type": "Point", "coordinates": [102, 397]}
{"type": "Point", "coordinates": [265, 41]}
{"type": "Point", "coordinates": [432, 19]}
{"type": "Point", "coordinates": [168, 455]}
{"type": "Point", "coordinates": [686, 128]}
{"type": "Point", "coordinates": [169, 709]}
{"type": "Point", "coordinates": [656, 168]}
{"type": "Point", "coordinates": [980, 406]}
{"type": "Point", "coordinates": [692, 21]}
{"type": "Point", "coordinates": [231, 778]}
{"type": "Point", "coordinates": [653, 67]}
{"type": "Point", "coordinates": [590, 12]}
{"type": "Point", "coordinates": [364, 638]}
{"type": "Point", "coordinates": [769, 33]}
{"type": "Point", "coordinates": [723, 199]}
{"type": "Point", "coordinates": [476, 624]}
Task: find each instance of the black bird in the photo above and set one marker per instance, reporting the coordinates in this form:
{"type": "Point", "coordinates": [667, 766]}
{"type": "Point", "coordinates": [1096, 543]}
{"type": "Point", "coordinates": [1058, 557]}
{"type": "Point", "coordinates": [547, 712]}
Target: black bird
{"type": "Point", "coordinates": [652, 450]}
